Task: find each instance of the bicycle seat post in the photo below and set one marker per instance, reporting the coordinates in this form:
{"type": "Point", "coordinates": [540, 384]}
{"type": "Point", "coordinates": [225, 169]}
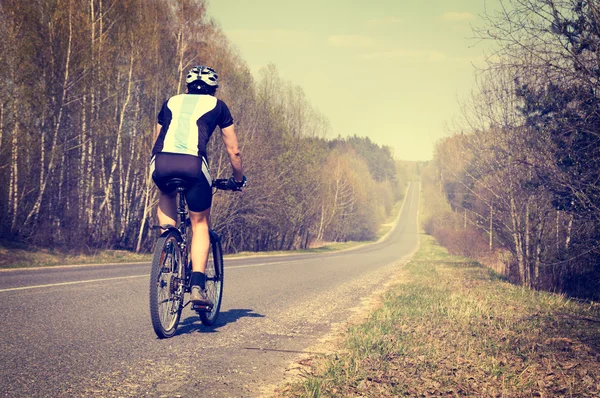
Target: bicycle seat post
{"type": "Point", "coordinates": [182, 211]}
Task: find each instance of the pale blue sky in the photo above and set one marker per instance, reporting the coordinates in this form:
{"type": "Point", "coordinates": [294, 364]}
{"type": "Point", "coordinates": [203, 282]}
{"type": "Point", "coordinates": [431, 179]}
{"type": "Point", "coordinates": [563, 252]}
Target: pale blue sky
{"type": "Point", "coordinates": [392, 70]}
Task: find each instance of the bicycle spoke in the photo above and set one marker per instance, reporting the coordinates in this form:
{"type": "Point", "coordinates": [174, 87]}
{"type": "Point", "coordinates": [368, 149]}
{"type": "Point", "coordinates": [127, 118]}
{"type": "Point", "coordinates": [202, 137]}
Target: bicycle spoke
{"type": "Point", "coordinates": [165, 290]}
{"type": "Point", "coordinates": [214, 283]}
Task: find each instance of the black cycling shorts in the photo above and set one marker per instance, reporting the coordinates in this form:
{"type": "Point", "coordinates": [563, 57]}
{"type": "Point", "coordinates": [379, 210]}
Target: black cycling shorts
{"type": "Point", "coordinates": [198, 192]}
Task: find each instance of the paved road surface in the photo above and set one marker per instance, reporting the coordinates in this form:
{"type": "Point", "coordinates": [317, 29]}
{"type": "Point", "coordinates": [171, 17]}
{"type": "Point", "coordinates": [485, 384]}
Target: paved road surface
{"type": "Point", "coordinates": [83, 331]}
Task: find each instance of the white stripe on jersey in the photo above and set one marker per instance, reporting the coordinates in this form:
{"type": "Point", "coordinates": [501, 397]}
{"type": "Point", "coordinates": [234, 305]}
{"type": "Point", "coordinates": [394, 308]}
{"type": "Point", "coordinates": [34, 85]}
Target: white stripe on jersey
{"type": "Point", "coordinates": [206, 171]}
{"type": "Point", "coordinates": [182, 135]}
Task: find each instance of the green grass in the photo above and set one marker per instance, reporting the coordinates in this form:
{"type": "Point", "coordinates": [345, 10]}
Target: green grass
{"type": "Point", "coordinates": [451, 327]}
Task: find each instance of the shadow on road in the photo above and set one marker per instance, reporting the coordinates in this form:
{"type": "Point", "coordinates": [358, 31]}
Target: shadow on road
{"type": "Point", "coordinates": [192, 323]}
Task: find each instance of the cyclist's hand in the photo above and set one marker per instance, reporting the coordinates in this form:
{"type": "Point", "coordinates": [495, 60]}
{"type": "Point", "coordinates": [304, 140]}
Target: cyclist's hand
{"type": "Point", "coordinates": [235, 185]}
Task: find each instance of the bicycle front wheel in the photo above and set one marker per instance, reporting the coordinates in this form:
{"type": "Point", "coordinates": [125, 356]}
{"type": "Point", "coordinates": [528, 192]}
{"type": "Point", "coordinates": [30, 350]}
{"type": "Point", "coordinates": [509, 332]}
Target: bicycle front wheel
{"type": "Point", "coordinates": [214, 280]}
{"type": "Point", "coordinates": [166, 286]}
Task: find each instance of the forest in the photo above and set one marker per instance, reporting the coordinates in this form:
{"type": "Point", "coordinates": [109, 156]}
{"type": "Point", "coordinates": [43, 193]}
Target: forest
{"type": "Point", "coordinates": [83, 81]}
{"type": "Point", "coordinates": [518, 182]}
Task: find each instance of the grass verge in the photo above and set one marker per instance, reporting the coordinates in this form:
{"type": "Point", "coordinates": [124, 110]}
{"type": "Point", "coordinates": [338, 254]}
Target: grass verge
{"type": "Point", "coordinates": [450, 327]}
{"type": "Point", "coordinates": [328, 247]}
{"type": "Point", "coordinates": [19, 255]}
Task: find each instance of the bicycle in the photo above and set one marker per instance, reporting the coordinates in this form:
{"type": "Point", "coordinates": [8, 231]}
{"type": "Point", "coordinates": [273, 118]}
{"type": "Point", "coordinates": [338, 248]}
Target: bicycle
{"type": "Point", "coordinates": [170, 277]}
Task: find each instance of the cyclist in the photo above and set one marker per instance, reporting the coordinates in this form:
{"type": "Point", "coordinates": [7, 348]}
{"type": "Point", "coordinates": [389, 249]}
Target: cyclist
{"type": "Point", "coordinates": [185, 124]}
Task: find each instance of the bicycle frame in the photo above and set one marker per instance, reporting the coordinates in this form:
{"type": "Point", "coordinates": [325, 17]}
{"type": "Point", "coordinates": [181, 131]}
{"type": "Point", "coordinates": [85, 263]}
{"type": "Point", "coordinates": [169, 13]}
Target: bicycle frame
{"type": "Point", "coordinates": [184, 222]}
{"type": "Point", "coordinates": [182, 212]}
{"type": "Point", "coordinates": [170, 284]}
{"type": "Point", "coordinates": [185, 275]}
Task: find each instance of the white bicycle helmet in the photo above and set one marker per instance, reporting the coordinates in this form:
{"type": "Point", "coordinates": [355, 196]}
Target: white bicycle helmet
{"type": "Point", "coordinates": [203, 74]}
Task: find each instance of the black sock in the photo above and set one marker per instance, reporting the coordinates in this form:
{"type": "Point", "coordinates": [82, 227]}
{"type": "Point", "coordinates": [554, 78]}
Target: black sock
{"type": "Point", "coordinates": [199, 279]}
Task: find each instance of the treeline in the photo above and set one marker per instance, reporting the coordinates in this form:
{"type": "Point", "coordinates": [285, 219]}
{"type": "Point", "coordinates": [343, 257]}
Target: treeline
{"type": "Point", "coordinates": [82, 84]}
{"type": "Point", "coordinates": [522, 173]}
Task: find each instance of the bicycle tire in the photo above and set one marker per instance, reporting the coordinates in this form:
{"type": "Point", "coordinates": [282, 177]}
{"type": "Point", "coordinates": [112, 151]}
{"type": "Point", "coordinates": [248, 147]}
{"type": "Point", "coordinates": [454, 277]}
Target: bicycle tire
{"type": "Point", "coordinates": [166, 289]}
{"type": "Point", "coordinates": [214, 280]}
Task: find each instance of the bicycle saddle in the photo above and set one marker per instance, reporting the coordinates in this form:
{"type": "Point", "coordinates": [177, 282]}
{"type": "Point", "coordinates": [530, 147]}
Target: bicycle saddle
{"type": "Point", "coordinates": [176, 183]}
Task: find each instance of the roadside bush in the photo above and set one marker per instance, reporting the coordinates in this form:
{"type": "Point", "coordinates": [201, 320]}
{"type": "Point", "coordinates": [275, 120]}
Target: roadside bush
{"type": "Point", "coordinates": [465, 242]}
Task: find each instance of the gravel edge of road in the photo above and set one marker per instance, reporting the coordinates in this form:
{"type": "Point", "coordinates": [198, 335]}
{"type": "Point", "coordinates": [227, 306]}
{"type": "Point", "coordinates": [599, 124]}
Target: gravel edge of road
{"type": "Point", "coordinates": [330, 341]}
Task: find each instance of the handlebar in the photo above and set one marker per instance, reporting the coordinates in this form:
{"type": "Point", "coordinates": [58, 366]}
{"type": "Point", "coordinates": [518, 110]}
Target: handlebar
{"type": "Point", "coordinates": [222, 184]}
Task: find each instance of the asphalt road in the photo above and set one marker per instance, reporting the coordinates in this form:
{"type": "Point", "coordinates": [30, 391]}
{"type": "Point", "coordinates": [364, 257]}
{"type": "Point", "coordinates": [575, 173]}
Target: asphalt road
{"type": "Point", "coordinates": [86, 331]}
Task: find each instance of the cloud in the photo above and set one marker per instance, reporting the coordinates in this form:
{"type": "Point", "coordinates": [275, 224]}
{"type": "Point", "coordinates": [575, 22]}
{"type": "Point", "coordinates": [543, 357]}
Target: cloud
{"type": "Point", "coordinates": [272, 37]}
{"type": "Point", "coordinates": [457, 16]}
{"type": "Point", "coordinates": [411, 55]}
{"type": "Point", "coordinates": [350, 41]}
{"type": "Point", "coordinates": [384, 21]}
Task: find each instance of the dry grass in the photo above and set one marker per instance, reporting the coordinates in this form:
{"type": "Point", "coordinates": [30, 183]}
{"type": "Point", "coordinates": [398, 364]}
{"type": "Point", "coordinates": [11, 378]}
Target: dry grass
{"type": "Point", "coordinates": [453, 328]}
{"type": "Point", "coordinates": [20, 255]}
{"type": "Point", "coordinates": [15, 255]}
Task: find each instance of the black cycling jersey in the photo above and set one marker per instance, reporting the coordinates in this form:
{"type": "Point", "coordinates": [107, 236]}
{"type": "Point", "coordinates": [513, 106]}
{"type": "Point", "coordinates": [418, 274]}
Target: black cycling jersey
{"type": "Point", "coordinates": [188, 121]}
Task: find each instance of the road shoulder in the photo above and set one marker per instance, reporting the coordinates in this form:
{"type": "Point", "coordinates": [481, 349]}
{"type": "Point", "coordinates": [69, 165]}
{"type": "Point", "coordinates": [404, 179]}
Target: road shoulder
{"type": "Point", "coordinates": [330, 343]}
{"type": "Point", "coordinates": [450, 327]}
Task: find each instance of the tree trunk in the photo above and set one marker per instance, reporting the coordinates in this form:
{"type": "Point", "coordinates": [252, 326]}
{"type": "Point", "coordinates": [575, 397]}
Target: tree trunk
{"type": "Point", "coordinates": [33, 214]}
{"type": "Point", "coordinates": [569, 230]}
{"type": "Point", "coordinates": [517, 239]}
{"type": "Point", "coordinates": [117, 157]}
{"type": "Point", "coordinates": [491, 226]}
{"type": "Point", "coordinates": [127, 199]}
{"type": "Point", "coordinates": [538, 253]}
{"type": "Point", "coordinates": [557, 232]}
{"type": "Point", "coordinates": [13, 187]}
{"type": "Point", "coordinates": [181, 53]}
{"type": "Point", "coordinates": [1, 124]}
{"type": "Point", "coordinates": [90, 183]}
{"type": "Point", "coordinates": [81, 177]}
{"type": "Point", "coordinates": [321, 223]}
{"type": "Point", "coordinates": [527, 248]}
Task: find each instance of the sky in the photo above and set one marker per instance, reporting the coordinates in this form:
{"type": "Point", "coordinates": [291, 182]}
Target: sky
{"type": "Point", "coordinates": [395, 71]}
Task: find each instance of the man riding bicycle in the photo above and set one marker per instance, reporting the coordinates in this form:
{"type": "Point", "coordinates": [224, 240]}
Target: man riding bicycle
{"type": "Point", "coordinates": [185, 125]}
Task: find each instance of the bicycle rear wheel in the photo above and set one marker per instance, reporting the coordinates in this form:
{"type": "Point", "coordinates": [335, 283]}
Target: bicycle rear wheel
{"type": "Point", "coordinates": [214, 280]}
{"type": "Point", "coordinates": [166, 287]}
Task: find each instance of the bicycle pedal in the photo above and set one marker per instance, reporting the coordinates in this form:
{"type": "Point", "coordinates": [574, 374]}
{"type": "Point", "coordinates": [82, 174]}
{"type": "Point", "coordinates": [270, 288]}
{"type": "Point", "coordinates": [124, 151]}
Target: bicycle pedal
{"type": "Point", "coordinates": [201, 308]}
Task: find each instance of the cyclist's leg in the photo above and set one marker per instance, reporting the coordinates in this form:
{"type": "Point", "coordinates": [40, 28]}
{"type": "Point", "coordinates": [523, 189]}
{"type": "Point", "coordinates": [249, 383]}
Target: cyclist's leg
{"type": "Point", "coordinates": [167, 208]}
{"type": "Point", "coordinates": [165, 167]}
{"type": "Point", "coordinates": [199, 199]}
{"type": "Point", "coordinates": [200, 239]}
{"type": "Point", "coordinates": [199, 253]}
